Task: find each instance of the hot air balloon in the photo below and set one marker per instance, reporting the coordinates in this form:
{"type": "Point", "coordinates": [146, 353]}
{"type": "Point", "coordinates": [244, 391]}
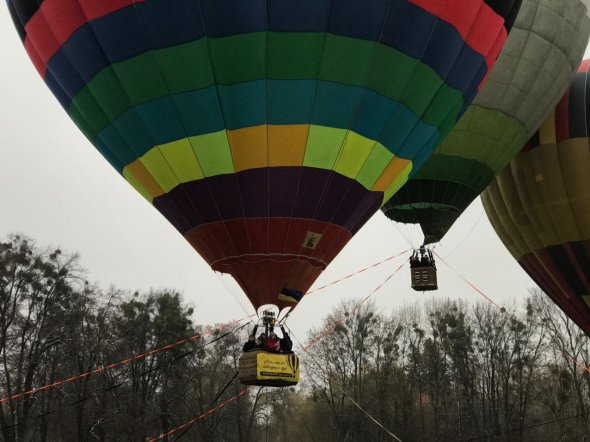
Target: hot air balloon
{"type": "Point", "coordinates": [266, 131]}
{"type": "Point", "coordinates": [533, 71]}
{"type": "Point", "coordinates": [540, 204]}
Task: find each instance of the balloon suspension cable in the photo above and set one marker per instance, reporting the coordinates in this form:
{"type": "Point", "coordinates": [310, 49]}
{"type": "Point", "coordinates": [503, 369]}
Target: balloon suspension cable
{"type": "Point", "coordinates": [231, 290]}
{"type": "Point", "coordinates": [416, 218]}
{"type": "Point", "coordinates": [406, 236]}
{"type": "Point", "coordinates": [245, 390]}
{"type": "Point", "coordinates": [467, 235]}
{"type": "Point", "coordinates": [293, 335]}
{"type": "Point", "coordinates": [283, 320]}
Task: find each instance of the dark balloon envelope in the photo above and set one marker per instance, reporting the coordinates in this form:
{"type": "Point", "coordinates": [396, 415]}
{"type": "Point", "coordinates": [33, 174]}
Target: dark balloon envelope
{"type": "Point", "coordinates": [266, 131]}
{"type": "Point", "coordinates": [534, 69]}
{"type": "Point", "coordinates": [540, 204]}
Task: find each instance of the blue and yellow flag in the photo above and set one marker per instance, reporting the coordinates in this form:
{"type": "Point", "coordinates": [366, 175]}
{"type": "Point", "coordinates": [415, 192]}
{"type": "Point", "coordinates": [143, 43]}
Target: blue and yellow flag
{"type": "Point", "coordinates": [289, 295]}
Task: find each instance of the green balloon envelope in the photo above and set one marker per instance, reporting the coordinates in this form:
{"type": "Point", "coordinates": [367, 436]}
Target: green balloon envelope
{"type": "Point", "coordinates": [534, 69]}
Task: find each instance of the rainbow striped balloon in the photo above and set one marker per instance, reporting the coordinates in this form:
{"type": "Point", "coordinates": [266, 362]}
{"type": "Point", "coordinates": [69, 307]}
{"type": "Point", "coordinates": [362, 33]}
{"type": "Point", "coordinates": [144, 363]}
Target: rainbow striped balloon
{"type": "Point", "coordinates": [266, 131]}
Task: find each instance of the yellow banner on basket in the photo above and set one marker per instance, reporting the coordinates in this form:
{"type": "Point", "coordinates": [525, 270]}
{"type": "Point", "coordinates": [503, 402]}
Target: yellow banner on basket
{"type": "Point", "coordinates": [276, 366]}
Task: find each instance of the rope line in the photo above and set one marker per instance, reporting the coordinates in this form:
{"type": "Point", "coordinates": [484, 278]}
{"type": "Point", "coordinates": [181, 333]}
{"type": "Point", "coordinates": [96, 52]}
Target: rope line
{"type": "Point", "coordinates": [193, 338]}
{"type": "Point", "coordinates": [344, 278]}
{"type": "Point", "coordinates": [468, 282]}
{"type": "Point", "coordinates": [580, 364]}
{"type": "Point", "coordinates": [467, 235]}
{"type": "Point", "coordinates": [565, 354]}
{"type": "Point", "coordinates": [329, 331]}
{"type": "Point", "coordinates": [355, 403]}
{"type": "Point", "coordinates": [371, 417]}
{"type": "Point", "coordinates": [119, 363]}
{"type": "Point", "coordinates": [172, 345]}
{"type": "Point", "coordinates": [357, 273]}
{"type": "Point", "coordinates": [233, 398]}
{"type": "Point", "coordinates": [170, 362]}
{"type": "Point", "coordinates": [198, 418]}
{"type": "Point", "coordinates": [226, 386]}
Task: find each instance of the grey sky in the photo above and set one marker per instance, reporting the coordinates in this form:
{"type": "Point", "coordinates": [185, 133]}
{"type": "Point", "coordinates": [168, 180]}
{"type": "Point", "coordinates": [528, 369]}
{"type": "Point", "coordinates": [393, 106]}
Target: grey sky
{"type": "Point", "coordinates": [56, 188]}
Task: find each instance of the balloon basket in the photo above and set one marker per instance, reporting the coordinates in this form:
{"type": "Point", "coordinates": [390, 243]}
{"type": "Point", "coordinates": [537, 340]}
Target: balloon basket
{"type": "Point", "coordinates": [263, 368]}
{"type": "Point", "coordinates": [424, 278]}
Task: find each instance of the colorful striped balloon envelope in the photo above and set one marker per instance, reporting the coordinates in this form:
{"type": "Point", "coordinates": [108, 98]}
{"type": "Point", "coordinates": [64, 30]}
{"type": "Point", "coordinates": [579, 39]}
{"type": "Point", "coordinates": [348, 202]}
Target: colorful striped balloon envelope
{"type": "Point", "coordinates": [266, 131]}
{"type": "Point", "coordinates": [540, 204]}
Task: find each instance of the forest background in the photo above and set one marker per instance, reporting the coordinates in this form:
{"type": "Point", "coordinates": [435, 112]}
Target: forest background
{"type": "Point", "coordinates": [443, 370]}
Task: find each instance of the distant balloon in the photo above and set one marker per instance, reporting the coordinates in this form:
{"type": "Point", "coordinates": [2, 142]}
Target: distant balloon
{"type": "Point", "coordinates": [266, 131]}
{"type": "Point", "coordinates": [533, 71]}
{"type": "Point", "coordinates": [540, 204]}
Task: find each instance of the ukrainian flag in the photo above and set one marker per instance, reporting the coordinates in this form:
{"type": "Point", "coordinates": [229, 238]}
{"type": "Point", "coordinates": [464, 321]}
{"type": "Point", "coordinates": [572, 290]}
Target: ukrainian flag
{"type": "Point", "coordinates": [289, 295]}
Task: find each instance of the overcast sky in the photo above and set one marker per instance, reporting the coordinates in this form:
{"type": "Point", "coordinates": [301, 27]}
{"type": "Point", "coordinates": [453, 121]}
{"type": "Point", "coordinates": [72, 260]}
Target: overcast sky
{"type": "Point", "coordinates": [56, 188]}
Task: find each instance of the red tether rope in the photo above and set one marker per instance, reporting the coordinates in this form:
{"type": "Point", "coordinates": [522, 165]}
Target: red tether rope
{"type": "Point", "coordinates": [122, 362]}
{"type": "Point", "coordinates": [317, 339]}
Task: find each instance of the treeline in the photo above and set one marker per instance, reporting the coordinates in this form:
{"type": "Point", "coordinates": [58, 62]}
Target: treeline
{"type": "Point", "coordinates": [450, 372]}
{"type": "Point", "coordinates": [446, 372]}
{"type": "Point", "coordinates": [54, 325]}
